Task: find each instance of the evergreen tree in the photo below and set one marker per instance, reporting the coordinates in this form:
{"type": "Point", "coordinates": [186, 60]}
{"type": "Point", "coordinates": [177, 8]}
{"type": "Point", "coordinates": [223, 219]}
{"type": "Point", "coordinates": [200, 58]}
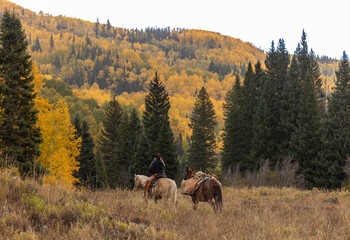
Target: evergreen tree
{"type": "Point", "coordinates": [124, 152]}
{"type": "Point", "coordinates": [290, 100]}
{"type": "Point", "coordinates": [52, 45]}
{"type": "Point", "coordinates": [109, 26]}
{"type": "Point", "coordinates": [87, 40]}
{"type": "Point", "coordinates": [20, 137]}
{"type": "Point", "coordinates": [108, 140]}
{"type": "Point", "coordinates": [247, 112]}
{"type": "Point", "coordinates": [308, 63]}
{"type": "Point", "coordinates": [142, 157]}
{"type": "Point", "coordinates": [232, 152]}
{"type": "Point", "coordinates": [337, 127]}
{"type": "Point", "coordinates": [96, 29]}
{"type": "Point", "coordinates": [36, 47]}
{"type": "Point", "coordinates": [156, 125]}
{"type": "Point", "coordinates": [101, 176]}
{"type": "Point", "coordinates": [267, 126]}
{"type": "Point", "coordinates": [135, 130]}
{"type": "Point", "coordinates": [157, 105]}
{"type": "Point", "coordinates": [87, 161]}
{"type": "Point", "coordinates": [166, 146]}
{"type": "Point", "coordinates": [306, 140]}
{"type": "Point", "coordinates": [203, 141]}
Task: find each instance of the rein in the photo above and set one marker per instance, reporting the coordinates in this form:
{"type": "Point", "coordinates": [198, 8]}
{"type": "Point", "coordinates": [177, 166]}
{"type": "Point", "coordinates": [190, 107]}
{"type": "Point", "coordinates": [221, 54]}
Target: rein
{"type": "Point", "coordinates": [188, 178]}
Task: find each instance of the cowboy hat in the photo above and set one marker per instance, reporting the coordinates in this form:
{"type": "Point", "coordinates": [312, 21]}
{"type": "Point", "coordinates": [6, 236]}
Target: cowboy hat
{"type": "Point", "coordinates": [157, 155]}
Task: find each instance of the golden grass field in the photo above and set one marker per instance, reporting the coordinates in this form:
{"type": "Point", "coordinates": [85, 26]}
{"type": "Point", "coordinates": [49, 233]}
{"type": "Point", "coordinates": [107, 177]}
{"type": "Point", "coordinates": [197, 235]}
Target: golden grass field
{"type": "Point", "coordinates": [30, 210]}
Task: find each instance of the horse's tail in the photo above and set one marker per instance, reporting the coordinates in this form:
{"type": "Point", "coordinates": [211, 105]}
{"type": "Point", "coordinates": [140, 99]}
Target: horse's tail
{"type": "Point", "coordinates": [174, 194]}
{"type": "Point", "coordinates": [218, 198]}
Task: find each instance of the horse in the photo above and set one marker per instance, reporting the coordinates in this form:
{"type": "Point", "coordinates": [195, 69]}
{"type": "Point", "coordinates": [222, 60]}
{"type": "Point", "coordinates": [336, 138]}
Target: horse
{"type": "Point", "coordinates": [202, 188]}
{"type": "Point", "coordinates": [139, 181]}
{"type": "Point", "coordinates": [165, 189]}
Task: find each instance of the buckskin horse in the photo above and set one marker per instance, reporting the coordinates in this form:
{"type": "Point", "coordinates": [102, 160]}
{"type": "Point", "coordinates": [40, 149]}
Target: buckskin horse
{"type": "Point", "coordinates": [165, 188]}
{"type": "Point", "coordinates": [202, 188]}
{"type": "Point", "coordinates": [139, 181]}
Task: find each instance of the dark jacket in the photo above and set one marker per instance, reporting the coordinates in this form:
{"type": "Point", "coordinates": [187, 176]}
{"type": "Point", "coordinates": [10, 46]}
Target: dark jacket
{"type": "Point", "coordinates": [157, 166]}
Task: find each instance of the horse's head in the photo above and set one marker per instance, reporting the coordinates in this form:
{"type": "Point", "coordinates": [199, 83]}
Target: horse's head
{"type": "Point", "coordinates": [189, 173]}
{"type": "Point", "coordinates": [137, 183]}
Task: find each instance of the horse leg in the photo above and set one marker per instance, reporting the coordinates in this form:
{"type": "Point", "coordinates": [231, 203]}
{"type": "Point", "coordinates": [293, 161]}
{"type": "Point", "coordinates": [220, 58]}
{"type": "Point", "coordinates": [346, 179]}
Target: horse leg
{"type": "Point", "coordinates": [195, 203]}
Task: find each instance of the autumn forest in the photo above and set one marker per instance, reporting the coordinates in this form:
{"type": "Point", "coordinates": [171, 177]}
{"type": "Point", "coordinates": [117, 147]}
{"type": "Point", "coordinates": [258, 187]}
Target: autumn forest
{"type": "Point", "coordinates": [91, 75]}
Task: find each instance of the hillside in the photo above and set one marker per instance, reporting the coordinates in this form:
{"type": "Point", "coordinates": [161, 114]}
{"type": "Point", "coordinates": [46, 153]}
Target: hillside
{"type": "Point", "coordinates": [123, 61]}
{"type": "Point", "coordinates": [98, 60]}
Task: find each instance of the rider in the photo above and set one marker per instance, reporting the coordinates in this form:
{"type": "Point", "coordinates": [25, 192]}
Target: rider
{"type": "Point", "coordinates": [157, 170]}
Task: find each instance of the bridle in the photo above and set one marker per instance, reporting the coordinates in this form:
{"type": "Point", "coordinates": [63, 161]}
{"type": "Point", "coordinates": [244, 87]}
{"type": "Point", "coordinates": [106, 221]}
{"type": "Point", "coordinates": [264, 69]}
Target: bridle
{"type": "Point", "coordinates": [186, 178]}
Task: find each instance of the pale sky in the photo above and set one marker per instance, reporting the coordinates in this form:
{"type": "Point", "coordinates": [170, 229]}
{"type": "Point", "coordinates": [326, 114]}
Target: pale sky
{"type": "Point", "coordinates": [326, 22]}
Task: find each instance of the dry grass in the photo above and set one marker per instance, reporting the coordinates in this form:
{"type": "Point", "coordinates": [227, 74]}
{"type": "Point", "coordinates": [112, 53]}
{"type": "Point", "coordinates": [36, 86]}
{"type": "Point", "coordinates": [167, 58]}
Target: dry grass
{"type": "Point", "coordinates": [29, 210]}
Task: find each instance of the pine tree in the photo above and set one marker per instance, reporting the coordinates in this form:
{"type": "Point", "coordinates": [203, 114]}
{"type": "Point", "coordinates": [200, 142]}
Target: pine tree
{"type": "Point", "coordinates": [20, 138]}
{"type": "Point", "coordinates": [96, 29]}
{"type": "Point", "coordinates": [308, 63]}
{"type": "Point", "coordinates": [290, 99]}
{"type": "Point", "coordinates": [232, 132]}
{"type": "Point", "coordinates": [337, 127]}
{"type": "Point", "coordinates": [247, 112]}
{"type": "Point", "coordinates": [306, 140]}
{"type": "Point", "coordinates": [142, 157]}
{"type": "Point", "coordinates": [135, 128]}
{"type": "Point", "coordinates": [101, 177]}
{"type": "Point", "coordinates": [166, 146]}
{"type": "Point", "coordinates": [203, 141]}
{"type": "Point", "coordinates": [264, 145]}
{"type": "Point", "coordinates": [267, 125]}
{"type": "Point", "coordinates": [157, 105]}
{"type": "Point", "coordinates": [87, 160]}
{"type": "Point", "coordinates": [123, 151]}
{"type": "Point", "coordinates": [156, 125]}
{"type": "Point", "coordinates": [109, 26]}
{"type": "Point", "coordinates": [36, 47]}
{"type": "Point", "coordinates": [108, 140]}
{"type": "Point", "coordinates": [52, 45]}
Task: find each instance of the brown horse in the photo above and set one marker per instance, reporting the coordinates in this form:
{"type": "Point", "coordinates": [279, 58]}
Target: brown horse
{"type": "Point", "coordinates": [139, 181]}
{"type": "Point", "coordinates": [165, 189]}
{"type": "Point", "coordinates": [202, 188]}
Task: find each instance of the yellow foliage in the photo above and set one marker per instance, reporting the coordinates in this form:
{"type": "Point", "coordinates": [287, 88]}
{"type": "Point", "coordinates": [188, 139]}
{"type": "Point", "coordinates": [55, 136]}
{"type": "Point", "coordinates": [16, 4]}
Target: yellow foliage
{"type": "Point", "coordinates": [60, 147]}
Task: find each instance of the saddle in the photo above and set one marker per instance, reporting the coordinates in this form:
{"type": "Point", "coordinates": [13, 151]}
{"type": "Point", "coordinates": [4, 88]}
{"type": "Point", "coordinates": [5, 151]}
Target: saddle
{"type": "Point", "coordinates": [159, 176]}
{"type": "Point", "coordinates": [190, 186]}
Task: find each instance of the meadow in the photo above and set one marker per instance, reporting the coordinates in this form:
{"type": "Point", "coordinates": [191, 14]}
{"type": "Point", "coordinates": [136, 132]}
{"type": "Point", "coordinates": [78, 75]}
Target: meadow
{"type": "Point", "coordinates": [32, 210]}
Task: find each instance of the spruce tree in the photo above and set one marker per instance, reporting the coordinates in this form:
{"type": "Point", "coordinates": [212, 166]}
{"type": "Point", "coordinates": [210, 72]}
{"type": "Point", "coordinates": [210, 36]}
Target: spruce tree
{"type": "Point", "coordinates": [135, 127]}
{"type": "Point", "coordinates": [306, 140]}
{"type": "Point", "coordinates": [52, 45]}
{"type": "Point", "coordinates": [166, 146]}
{"type": "Point", "coordinates": [290, 99]}
{"type": "Point", "coordinates": [101, 176]}
{"type": "Point", "coordinates": [96, 28]}
{"type": "Point", "coordinates": [203, 141]}
{"type": "Point", "coordinates": [36, 47]}
{"type": "Point", "coordinates": [156, 125]}
{"type": "Point", "coordinates": [267, 126]}
{"type": "Point", "coordinates": [20, 137]}
{"type": "Point", "coordinates": [108, 140]}
{"type": "Point", "coordinates": [87, 160]}
{"type": "Point", "coordinates": [232, 132]}
{"type": "Point", "coordinates": [337, 127]}
{"type": "Point", "coordinates": [265, 145]}
{"type": "Point", "coordinates": [123, 151]}
{"type": "Point", "coordinates": [157, 105]}
{"type": "Point", "coordinates": [142, 156]}
{"type": "Point", "coordinates": [247, 111]}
